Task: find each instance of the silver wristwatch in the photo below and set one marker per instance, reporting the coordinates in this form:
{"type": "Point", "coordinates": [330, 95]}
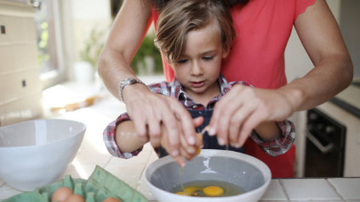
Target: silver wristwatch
{"type": "Point", "coordinates": [125, 82]}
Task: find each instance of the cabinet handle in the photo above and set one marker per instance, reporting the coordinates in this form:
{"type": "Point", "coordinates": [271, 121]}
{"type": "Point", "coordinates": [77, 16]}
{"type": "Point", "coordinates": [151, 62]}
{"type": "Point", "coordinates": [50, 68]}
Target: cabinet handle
{"type": "Point", "coordinates": [316, 142]}
{"type": "Point", "coordinates": [35, 3]}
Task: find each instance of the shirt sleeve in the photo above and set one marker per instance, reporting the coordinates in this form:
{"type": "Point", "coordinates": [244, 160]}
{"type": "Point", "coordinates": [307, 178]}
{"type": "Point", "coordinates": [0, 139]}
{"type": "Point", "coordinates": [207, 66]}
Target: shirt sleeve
{"type": "Point", "coordinates": [110, 142]}
{"type": "Point", "coordinates": [280, 145]}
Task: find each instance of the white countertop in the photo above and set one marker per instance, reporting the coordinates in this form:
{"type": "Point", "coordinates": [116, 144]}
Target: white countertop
{"type": "Point", "coordinates": [93, 152]}
{"type": "Point", "coordinates": [350, 95]}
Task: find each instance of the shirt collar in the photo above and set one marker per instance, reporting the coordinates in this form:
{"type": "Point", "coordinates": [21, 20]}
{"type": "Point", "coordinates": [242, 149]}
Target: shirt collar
{"type": "Point", "coordinates": [224, 85]}
{"type": "Point", "coordinates": [178, 92]}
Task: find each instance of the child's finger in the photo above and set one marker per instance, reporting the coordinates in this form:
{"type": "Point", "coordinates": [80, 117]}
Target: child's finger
{"type": "Point", "coordinates": [171, 124]}
{"type": "Point", "coordinates": [198, 121]}
{"type": "Point", "coordinates": [185, 154]}
{"type": "Point", "coordinates": [185, 119]}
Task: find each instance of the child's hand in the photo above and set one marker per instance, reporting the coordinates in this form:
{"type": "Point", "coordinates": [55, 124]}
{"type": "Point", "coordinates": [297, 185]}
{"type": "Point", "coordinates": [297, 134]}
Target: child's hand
{"type": "Point", "coordinates": [187, 151]}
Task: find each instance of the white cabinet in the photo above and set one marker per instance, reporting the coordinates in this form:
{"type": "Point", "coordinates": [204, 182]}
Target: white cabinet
{"type": "Point", "coordinates": [20, 87]}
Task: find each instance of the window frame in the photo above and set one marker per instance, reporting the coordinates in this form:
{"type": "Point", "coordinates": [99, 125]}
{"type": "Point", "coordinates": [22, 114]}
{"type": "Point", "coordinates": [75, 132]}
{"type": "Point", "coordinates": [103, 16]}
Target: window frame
{"type": "Point", "coordinates": [63, 38]}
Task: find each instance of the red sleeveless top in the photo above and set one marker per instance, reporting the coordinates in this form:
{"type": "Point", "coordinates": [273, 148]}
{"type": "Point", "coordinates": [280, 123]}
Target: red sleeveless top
{"type": "Point", "coordinates": [263, 28]}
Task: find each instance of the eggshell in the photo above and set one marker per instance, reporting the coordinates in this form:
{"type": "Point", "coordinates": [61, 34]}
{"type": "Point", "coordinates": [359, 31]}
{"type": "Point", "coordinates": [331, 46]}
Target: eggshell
{"type": "Point", "coordinates": [111, 199]}
{"type": "Point", "coordinates": [62, 194]}
{"type": "Point", "coordinates": [75, 198]}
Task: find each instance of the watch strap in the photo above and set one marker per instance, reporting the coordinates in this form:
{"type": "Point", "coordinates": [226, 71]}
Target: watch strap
{"type": "Point", "coordinates": [125, 82]}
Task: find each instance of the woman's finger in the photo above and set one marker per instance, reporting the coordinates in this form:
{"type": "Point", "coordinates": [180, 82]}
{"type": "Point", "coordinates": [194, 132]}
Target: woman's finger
{"type": "Point", "coordinates": [230, 99]}
{"type": "Point", "coordinates": [190, 149]}
{"type": "Point", "coordinates": [165, 144]}
{"type": "Point", "coordinates": [248, 125]}
{"type": "Point", "coordinates": [171, 116]}
{"type": "Point", "coordinates": [154, 129]}
{"type": "Point", "coordinates": [226, 114]}
{"type": "Point", "coordinates": [180, 161]}
{"type": "Point", "coordinates": [185, 119]}
{"type": "Point", "coordinates": [173, 132]}
{"type": "Point", "coordinates": [140, 123]}
{"type": "Point", "coordinates": [238, 119]}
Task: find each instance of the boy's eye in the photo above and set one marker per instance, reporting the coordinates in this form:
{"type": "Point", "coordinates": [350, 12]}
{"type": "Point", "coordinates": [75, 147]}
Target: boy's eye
{"type": "Point", "coordinates": [182, 61]}
{"type": "Point", "coordinates": [208, 57]}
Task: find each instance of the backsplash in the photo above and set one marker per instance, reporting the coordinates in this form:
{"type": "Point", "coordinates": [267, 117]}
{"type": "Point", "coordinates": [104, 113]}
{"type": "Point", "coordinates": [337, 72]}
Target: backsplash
{"type": "Point", "coordinates": [20, 87]}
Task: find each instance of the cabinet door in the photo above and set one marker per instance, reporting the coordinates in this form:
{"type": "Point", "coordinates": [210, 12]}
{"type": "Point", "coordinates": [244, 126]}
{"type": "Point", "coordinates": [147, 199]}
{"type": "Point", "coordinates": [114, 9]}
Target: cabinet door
{"type": "Point", "coordinates": [352, 155]}
{"type": "Point", "coordinates": [20, 86]}
{"type": "Point", "coordinates": [2, 117]}
{"type": "Point", "coordinates": [4, 36]}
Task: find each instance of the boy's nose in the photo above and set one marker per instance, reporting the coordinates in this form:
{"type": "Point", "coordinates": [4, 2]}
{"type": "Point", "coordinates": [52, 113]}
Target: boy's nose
{"type": "Point", "coordinates": [196, 69]}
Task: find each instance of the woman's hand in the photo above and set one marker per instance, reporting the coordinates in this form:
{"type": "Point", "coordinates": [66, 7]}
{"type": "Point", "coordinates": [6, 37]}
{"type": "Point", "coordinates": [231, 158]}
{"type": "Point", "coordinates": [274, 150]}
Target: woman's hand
{"type": "Point", "coordinates": [186, 151]}
{"type": "Point", "coordinates": [151, 112]}
{"type": "Point", "coordinates": [244, 108]}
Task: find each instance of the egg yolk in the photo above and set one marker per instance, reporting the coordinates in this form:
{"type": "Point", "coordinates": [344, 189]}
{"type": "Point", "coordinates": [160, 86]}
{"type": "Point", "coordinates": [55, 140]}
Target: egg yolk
{"type": "Point", "coordinates": [198, 151]}
{"type": "Point", "coordinates": [181, 193]}
{"type": "Point", "coordinates": [213, 191]}
{"type": "Point", "coordinates": [188, 191]}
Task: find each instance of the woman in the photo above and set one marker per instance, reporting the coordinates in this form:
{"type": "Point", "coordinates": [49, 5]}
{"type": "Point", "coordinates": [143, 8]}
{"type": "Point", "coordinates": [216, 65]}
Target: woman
{"type": "Point", "coordinates": [257, 56]}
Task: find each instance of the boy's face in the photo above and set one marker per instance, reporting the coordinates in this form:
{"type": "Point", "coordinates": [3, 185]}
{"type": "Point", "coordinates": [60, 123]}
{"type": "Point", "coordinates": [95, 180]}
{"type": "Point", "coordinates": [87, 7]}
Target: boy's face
{"type": "Point", "coordinates": [199, 65]}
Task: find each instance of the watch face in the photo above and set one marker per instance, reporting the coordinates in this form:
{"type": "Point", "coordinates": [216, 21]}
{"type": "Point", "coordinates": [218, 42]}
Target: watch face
{"type": "Point", "coordinates": [126, 82]}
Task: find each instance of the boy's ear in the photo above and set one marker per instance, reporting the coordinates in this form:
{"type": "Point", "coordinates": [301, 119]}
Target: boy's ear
{"type": "Point", "coordinates": [225, 53]}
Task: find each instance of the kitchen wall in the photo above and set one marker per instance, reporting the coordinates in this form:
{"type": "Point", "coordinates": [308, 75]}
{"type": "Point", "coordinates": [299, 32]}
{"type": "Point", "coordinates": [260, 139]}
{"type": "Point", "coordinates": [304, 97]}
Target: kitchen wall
{"type": "Point", "coordinates": [350, 28]}
{"type": "Point", "coordinates": [89, 16]}
{"type": "Point", "coordinates": [20, 97]}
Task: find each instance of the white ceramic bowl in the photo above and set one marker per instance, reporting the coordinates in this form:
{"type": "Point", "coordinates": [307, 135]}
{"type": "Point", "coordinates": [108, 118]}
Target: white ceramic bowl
{"type": "Point", "coordinates": [247, 172]}
{"type": "Point", "coordinates": [36, 153]}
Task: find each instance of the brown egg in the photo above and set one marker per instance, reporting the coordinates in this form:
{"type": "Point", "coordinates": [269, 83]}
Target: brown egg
{"type": "Point", "coordinates": [62, 194]}
{"type": "Point", "coordinates": [75, 198]}
{"type": "Point", "coordinates": [111, 199]}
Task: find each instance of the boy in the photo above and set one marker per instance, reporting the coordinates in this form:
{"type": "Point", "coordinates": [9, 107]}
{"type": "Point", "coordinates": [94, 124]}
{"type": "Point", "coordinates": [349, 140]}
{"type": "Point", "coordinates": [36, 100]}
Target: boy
{"type": "Point", "coordinates": [194, 36]}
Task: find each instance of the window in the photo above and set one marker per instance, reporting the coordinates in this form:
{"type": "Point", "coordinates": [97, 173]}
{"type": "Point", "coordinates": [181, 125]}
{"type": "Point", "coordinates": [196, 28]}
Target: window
{"type": "Point", "coordinates": [49, 42]}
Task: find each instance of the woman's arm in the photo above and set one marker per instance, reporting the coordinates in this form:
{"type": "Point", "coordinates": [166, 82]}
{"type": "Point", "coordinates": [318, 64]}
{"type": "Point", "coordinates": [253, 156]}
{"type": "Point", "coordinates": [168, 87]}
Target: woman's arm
{"type": "Point", "coordinates": [333, 72]}
{"type": "Point", "coordinates": [148, 110]}
{"type": "Point", "coordinates": [244, 108]}
{"type": "Point", "coordinates": [126, 35]}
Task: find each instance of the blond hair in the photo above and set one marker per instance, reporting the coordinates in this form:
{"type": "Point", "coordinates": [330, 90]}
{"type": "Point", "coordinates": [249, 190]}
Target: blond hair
{"type": "Point", "coordinates": [179, 17]}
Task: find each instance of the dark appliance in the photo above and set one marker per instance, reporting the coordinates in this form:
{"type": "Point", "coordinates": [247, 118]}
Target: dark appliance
{"type": "Point", "coordinates": [325, 146]}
